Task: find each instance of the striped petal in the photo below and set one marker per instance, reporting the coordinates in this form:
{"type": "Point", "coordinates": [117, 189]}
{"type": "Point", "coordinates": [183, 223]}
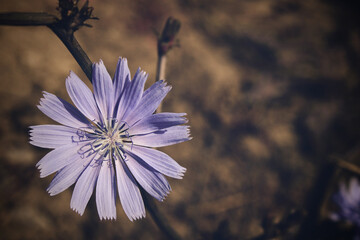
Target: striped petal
{"type": "Point", "coordinates": [156, 122]}
{"type": "Point", "coordinates": [52, 136]}
{"type": "Point", "coordinates": [84, 188]}
{"type": "Point", "coordinates": [62, 112]}
{"type": "Point", "coordinates": [129, 193]}
{"type": "Point", "coordinates": [68, 175]}
{"type": "Point", "coordinates": [151, 180]}
{"type": "Point", "coordinates": [57, 159]}
{"type": "Point", "coordinates": [122, 78]}
{"type": "Point", "coordinates": [132, 94]}
{"type": "Point", "coordinates": [150, 100]}
{"type": "Point", "coordinates": [158, 160]}
{"type": "Point", "coordinates": [103, 89]}
{"type": "Point", "coordinates": [106, 191]}
{"type": "Point", "coordinates": [82, 97]}
{"type": "Point", "coordinates": [162, 138]}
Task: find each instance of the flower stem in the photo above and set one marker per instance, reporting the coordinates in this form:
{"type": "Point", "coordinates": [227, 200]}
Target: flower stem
{"type": "Point", "coordinates": [160, 73]}
{"type": "Point", "coordinates": [74, 48]}
{"type": "Point", "coordinates": [348, 166]}
{"type": "Point", "coordinates": [166, 41]}
{"type": "Point", "coordinates": [314, 201]}
{"type": "Point", "coordinates": [63, 33]}
{"type": "Point", "coordinates": [159, 218]}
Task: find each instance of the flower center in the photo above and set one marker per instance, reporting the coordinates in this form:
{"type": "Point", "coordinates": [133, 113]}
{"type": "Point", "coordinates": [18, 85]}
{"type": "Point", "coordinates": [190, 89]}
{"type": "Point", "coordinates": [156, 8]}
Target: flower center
{"type": "Point", "coordinates": [106, 140]}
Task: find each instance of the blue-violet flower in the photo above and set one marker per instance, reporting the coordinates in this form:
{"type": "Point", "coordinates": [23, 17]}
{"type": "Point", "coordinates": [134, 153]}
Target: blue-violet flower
{"type": "Point", "coordinates": [106, 142]}
{"type": "Point", "coordinates": [348, 202]}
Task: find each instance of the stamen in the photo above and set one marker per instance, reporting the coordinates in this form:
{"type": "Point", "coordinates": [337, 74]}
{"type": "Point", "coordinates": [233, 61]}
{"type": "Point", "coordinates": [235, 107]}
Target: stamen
{"type": "Point", "coordinates": [96, 162]}
{"type": "Point", "coordinates": [121, 153]}
{"type": "Point", "coordinates": [87, 148]}
{"type": "Point", "coordinates": [106, 140]}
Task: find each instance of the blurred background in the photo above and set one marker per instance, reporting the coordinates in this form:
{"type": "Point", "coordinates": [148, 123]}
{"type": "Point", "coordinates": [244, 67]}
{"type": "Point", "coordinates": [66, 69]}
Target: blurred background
{"type": "Point", "coordinates": [271, 89]}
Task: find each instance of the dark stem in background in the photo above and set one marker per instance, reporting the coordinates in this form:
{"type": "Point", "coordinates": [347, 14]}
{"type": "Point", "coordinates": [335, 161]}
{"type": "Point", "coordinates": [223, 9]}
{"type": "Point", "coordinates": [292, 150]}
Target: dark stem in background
{"type": "Point", "coordinates": [159, 218]}
{"type": "Point", "coordinates": [27, 19]}
{"type": "Point", "coordinates": [166, 41]}
{"type": "Point", "coordinates": [308, 228]}
{"type": "Point", "coordinates": [65, 33]}
{"type": "Point", "coordinates": [74, 48]}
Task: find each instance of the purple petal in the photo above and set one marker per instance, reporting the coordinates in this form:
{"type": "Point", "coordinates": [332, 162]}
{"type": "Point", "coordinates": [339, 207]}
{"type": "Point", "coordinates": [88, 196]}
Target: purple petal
{"type": "Point", "coordinates": [82, 97]}
{"type": "Point", "coordinates": [122, 78]}
{"type": "Point", "coordinates": [354, 192]}
{"type": "Point", "coordinates": [68, 175]}
{"type": "Point", "coordinates": [150, 100]}
{"type": "Point", "coordinates": [156, 122]}
{"type": "Point", "coordinates": [151, 180]}
{"type": "Point", "coordinates": [343, 189]}
{"type": "Point", "coordinates": [57, 159]}
{"type": "Point", "coordinates": [52, 136]}
{"type": "Point", "coordinates": [106, 191]}
{"type": "Point", "coordinates": [103, 89]}
{"type": "Point", "coordinates": [129, 193]}
{"type": "Point", "coordinates": [162, 138]}
{"type": "Point", "coordinates": [160, 161]}
{"type": "Point", "coordinates": [132, 94]}
{"type": "Point", "coordinates": [84, 188]}
{"type": "Point", "coordinates": [62, 112]}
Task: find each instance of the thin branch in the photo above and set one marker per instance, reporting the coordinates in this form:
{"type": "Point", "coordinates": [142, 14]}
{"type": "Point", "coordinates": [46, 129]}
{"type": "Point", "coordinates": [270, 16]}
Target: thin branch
{"type": "Point", "coordinates": [348, 166]}
{"type": "Point", "coordinates": [166, 42]}
{"type": "Point", "coordinates": [74, 48]}
{"type": "Point", "coordinates": [161, 68]}
{"type": "Point", "coordinates": [160, 73]}
{"type": "Point", "coordinates": [63, 31]}
{"type": "Point", "coordinates": [158, 218]}
{"type": "Point", "coordinates": [314, 201]}
{"type": "Point", "coordinates": [27, 19]}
